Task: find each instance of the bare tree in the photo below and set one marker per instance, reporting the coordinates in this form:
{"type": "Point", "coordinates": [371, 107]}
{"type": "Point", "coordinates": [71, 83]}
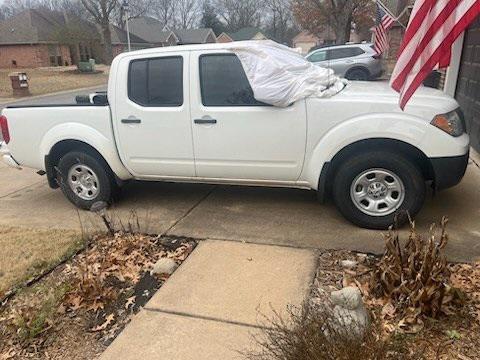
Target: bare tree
{"type": "Point", "coordinates": [280, 23]}
{"type": "Point", "coordinates": [164, 10]}
{"type": "Point", "coordinates": [13, 7]}
{"type": "Point", "coordinates": [187, 13]}
{"type": "Point", "coordinates": [136, 8]}
{"type": "Point", "coordinates": [102, 11]}
{"type": "Point", "coordinates": [238, 14]}
{"type": "Point", "coordinates": [318, 15]}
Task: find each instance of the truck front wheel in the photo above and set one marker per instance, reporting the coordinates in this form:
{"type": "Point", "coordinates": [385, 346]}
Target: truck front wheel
{"type": "Point", "coordinates": [377, 189]}
{"type": "Point", "coordinates": [84, 179]}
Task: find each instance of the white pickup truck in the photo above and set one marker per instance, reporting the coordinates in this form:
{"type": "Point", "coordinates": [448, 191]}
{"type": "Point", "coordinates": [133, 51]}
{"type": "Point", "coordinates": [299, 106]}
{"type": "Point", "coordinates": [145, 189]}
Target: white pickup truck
{"type": "Point", "coordinates": [188, 114]}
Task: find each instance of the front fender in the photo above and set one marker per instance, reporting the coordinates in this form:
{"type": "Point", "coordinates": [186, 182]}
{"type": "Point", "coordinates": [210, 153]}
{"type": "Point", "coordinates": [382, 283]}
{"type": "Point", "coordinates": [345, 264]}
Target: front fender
{"type": "Point", "coordinates": [80, 132]}
{"type": "Point", "coordinates": [403, 127]}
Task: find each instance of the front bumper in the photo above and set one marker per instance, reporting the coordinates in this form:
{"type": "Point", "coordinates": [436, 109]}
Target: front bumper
{"type": "Point", "coordinates": [449, 171]}
{"type": "Point", "coordinates": [7, 157]}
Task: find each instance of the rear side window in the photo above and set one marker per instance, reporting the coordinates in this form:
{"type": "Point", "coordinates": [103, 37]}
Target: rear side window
{"type": "Point", "coordinates": [318, 56]}
{"type": "Point", "coordinates": [344, 53]}
{"type": "Point", "coordinates": [224, 83]}
{"type": "Point", "coordinates": [156, 82]}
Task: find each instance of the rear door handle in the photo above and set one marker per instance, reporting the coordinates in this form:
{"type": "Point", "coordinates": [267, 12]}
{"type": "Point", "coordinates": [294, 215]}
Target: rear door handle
{"type": "Point", "coordinates": [205, 120]}
{"type": "Point", "coordinates": [131, 120]}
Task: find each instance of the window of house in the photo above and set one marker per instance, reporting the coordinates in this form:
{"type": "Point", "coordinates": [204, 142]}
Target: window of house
{"type": "Point", "coordinates": [318, 56]}
{"type": "Point", "coordinates": [156, 82]}
{"type": "Point", "coordinates": [224, 83]}
{"type": "Point", "coordinates": [344, 53]}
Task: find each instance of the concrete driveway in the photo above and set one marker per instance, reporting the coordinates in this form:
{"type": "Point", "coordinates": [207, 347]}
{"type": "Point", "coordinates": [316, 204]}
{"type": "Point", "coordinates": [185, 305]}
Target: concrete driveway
{"type": "Point", "coordinates": [278, 216]}
{"type": "Point", "coordinates": [275, 216]}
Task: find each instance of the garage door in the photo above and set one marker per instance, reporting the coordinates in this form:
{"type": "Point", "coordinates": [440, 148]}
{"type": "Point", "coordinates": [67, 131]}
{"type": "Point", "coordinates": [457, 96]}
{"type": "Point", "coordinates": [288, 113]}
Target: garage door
{"type": "Point", "coordinates": [468, 86]}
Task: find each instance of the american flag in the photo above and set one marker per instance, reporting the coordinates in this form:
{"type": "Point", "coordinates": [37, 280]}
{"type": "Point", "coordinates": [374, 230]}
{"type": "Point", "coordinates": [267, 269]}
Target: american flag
{"type": "Point", "coordinates": [433, 28]}
{"type": "Point", "coordinates": [384, 21]}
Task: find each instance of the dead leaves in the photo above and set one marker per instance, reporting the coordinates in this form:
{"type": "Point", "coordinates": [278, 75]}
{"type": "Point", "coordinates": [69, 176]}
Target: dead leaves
{"type": "Point", "coordinates": [108, 320]}
{"type": "Point", "coordinates": [112, 265]}
{"type": "Point", "coordinates": [92, 296]}
{"type": "Point", "coordinates": [414, 279]}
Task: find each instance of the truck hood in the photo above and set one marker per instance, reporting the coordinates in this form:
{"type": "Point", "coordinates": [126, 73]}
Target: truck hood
{"type": "Point", "coordinates": [426, 102]}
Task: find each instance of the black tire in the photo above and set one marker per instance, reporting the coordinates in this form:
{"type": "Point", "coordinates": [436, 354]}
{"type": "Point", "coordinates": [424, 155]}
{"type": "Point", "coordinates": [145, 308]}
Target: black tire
{"type": "Point", "coordinates": [413, 184]}
{"type": "Point", "coordinates": [105, 181]}
{"type": "Point", "coordinates": [358, 74]}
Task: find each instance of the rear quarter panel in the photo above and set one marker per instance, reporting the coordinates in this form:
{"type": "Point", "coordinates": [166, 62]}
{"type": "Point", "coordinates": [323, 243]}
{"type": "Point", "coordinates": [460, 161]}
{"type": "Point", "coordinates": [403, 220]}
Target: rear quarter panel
{"type": "Point", "coordinates": [35, 130]}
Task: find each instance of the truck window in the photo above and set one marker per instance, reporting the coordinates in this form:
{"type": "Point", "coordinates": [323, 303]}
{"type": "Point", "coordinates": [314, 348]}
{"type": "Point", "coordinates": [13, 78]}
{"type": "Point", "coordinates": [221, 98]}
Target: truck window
{"type": "Point", "coordinates": [156, 82]}
{"type": "Point", "coordinates": [224, 83]}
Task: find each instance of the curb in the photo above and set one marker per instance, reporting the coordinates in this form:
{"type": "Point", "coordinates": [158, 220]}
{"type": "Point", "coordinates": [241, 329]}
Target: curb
{"type": "Point", "coordinates": [63, 92]}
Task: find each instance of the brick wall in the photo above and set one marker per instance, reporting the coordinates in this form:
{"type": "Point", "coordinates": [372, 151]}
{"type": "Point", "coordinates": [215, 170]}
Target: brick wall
{"type": "Point", "coordinates": [30, 55]}
{"type": "Point", "coordinates": [468, 84]}
{"type": "Point", "coordinates": [395, 36]}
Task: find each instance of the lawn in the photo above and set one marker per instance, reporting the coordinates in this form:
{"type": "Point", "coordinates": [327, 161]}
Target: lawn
{"type": "Point", "coordinates": [54, 79]}
{"type": "Point", "coordinates": [25, 253]}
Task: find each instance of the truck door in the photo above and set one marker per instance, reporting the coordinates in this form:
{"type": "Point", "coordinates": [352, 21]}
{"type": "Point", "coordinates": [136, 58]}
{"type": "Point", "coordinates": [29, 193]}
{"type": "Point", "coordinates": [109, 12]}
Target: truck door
{"type": "Point", "coordinates": [152, 115]}
{"type": "Point", "coordinates": [235, 136]}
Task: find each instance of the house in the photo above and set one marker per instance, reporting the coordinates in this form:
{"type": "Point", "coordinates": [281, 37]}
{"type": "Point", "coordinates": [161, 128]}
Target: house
{"type": "Point", "coordinates": [463, 79]}
{"type": "Point", "coordinates": [305, 41]}
{"type": "Point", "coordinates": [247, 33]}
{"type": "Point", "coordinates": [120, 41]}
{"type": "Point", "coordinates": [195, 36]}
{"type": "Point", "coordinates": [158, 34]}
{"type": "Point", "coordinates": [32, 39]}
{"type": "Point", "coordinates": [153, 31]}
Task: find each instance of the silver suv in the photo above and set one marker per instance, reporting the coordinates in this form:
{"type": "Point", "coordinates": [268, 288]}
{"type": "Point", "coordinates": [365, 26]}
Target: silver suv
{"type": "Point", "coordinates": [352, 61]}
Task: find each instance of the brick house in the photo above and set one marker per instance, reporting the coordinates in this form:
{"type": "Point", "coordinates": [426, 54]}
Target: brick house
{"type": "Point", "coordinates": [462, 78]}
{"type": "Point", "coordinates": [158, 34]}
{"type": "Point", "coordinates": [26, 41]}
{"type": "Point", "coordinates": [153, 31]}
{"type": "Point", "coordinates": [247, 33]}
{"type": "Point", "coordinates": [120, 41]}
{"type": "Point", "coordinates": [305, 41]}
{"type": "Point", "coordinates": [195, 36]}
{"type": "Point", "coordinates": [32, 38]}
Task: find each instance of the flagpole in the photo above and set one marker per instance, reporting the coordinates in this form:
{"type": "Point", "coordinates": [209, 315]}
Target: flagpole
{"type": "Point", "coordinates": [390, 13]}
{"type": "Point", "coordinates": [125, 9]}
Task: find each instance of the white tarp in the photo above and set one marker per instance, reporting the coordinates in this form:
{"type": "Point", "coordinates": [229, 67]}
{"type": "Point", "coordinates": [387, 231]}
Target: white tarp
{"type": "Point", "coordinates": [280, 76]}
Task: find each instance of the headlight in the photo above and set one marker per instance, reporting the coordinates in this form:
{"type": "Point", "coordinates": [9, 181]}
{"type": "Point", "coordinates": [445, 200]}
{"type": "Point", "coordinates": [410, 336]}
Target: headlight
{"type": "Point", "coordinates": [452, 123]}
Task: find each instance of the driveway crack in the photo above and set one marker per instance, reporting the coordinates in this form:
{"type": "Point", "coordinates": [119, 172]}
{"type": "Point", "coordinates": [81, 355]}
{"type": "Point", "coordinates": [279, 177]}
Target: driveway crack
{"type": "Point", "coordinates": [202, 199]}
{"type": "Point", "coordinates": [208, 318]}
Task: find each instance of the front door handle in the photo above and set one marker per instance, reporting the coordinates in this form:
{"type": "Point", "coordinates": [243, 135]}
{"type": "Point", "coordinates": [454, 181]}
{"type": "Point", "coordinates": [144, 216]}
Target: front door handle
{"type": "Point", "coordinates": [131, 120]}
{"type": "Point", "coordinates": [205, 120]}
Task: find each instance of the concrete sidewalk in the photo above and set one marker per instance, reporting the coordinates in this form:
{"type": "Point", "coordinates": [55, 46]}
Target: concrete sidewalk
{"type": "Point", "coordinates": [214, 303]}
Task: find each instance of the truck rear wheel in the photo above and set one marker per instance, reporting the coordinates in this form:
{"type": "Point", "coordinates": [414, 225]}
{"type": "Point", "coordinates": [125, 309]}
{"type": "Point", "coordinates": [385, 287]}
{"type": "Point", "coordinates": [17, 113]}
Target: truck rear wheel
{"type": "Point", "coordinates": [377, 189]}
{"type": "Point", "coordinates": [85, 179]}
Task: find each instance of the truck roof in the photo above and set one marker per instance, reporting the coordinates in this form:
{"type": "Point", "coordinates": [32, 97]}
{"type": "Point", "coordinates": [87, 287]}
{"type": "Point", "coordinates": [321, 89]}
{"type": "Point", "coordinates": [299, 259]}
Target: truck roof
{"type": "Point", "coordinates": [208, 46]}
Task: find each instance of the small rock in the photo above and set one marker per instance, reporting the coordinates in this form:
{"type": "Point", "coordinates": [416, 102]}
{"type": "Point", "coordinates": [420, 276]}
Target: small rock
{"type": "Point", "coordinates": [362, 258]}
{"type": "Point", "coordinates": [164, 266]}
{"type": "Point", "coordinates": [348, 264]}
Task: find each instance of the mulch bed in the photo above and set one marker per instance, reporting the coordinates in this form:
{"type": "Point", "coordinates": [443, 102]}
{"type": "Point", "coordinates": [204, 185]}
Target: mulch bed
{"type": "Point", "coordinates": [77, 310]}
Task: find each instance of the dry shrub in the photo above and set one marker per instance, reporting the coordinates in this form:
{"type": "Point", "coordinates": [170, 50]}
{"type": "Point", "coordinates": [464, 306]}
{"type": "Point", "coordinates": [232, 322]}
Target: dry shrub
{"type": "Point", "coordinates": [309, 333]}
{"type": "Point", "coordinates": [413, 279]}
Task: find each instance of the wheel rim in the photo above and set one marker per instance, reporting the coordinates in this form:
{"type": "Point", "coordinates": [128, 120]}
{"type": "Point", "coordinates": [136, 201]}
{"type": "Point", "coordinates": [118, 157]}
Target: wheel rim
{"type": "Point", "coordinates": [377, 192]}
{"type": "Point", "coordinates": [83, 182]}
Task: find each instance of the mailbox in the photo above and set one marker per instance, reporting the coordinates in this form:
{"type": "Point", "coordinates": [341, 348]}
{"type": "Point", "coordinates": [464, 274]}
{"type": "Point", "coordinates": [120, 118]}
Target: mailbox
{"type": "Point", "coordinates": [19, 82]}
